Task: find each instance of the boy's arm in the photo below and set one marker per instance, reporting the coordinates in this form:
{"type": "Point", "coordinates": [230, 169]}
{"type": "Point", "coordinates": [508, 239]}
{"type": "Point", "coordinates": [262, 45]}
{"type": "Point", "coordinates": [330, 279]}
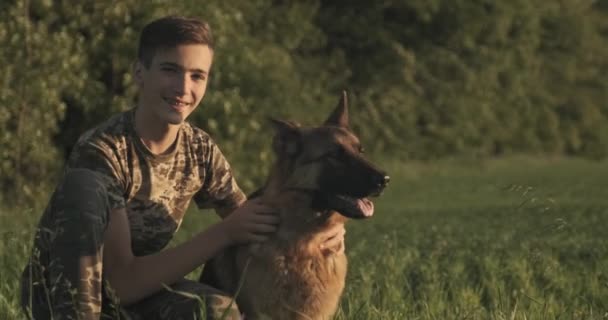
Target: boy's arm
{"type": "Point", "coordinates": [223, 212]}
{"type": "Point", "coordinates": [134, 278]}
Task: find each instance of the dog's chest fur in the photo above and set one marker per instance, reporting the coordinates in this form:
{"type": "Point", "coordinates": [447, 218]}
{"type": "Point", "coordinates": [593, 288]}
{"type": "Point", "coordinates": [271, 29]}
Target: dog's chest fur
{"type": "Point", "coordinates": [289, 276]}
{"type": "Point", "coordinates": [292, 283]}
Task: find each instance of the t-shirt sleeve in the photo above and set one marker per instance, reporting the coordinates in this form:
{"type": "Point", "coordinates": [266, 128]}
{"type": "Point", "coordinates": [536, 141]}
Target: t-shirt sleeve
{"type": "Point", "coordinates": [101, 160]}
{"type": "Point", "coordinates": [220, 190]}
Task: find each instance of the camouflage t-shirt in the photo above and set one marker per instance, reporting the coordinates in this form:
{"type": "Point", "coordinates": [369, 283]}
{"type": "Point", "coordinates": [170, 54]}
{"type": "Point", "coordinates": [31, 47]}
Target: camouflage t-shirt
{"type": "Point", "coordinates": [156, 189]}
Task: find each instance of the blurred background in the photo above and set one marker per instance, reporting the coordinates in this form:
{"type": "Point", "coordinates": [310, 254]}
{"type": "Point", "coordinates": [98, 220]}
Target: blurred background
{"type": "Point", "coordinates": [427, 79]}
{"type": "Point", "coordinates": [490, 116]}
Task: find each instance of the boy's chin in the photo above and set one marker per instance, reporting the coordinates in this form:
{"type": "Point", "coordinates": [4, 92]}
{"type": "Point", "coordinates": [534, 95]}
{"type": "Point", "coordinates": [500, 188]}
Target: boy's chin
{"type": "Point", "coordinates": [174, 118]}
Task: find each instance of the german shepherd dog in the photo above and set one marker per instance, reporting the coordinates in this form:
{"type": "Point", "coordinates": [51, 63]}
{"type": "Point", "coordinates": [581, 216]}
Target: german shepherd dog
{"type": "Point", "coordinates": [320, 179]}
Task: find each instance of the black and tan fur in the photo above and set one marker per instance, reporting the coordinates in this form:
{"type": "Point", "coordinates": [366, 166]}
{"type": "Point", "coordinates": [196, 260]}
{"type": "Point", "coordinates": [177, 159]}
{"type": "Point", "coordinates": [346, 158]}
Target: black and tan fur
{"type": "Point", "coordinates": [319, 174]}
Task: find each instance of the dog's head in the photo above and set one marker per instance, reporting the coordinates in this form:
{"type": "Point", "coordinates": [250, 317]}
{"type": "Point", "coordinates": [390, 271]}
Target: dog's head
{"type": "Point", "coordinates": [329, 162]}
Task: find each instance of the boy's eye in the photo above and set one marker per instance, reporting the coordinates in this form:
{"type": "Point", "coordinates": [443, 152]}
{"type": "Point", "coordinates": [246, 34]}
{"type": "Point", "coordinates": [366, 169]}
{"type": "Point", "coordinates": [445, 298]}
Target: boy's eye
{"type": "Point", "coordinates": [198, 77]}
{"type": "Point", "coordinates": [361, 150]}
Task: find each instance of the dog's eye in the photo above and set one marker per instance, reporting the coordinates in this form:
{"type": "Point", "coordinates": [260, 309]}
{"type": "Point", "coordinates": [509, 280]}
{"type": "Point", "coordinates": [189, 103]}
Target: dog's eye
{"type": "Point", "coordinates": [361, 150]}
{"type": "Point", "coordinates": [337, 154]}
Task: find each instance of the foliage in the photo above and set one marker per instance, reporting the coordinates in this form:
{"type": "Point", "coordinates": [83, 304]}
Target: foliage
{"type": "Point", "coordinates": [427, 79]}
{"type": "Point", "coordinates": [482, 78]}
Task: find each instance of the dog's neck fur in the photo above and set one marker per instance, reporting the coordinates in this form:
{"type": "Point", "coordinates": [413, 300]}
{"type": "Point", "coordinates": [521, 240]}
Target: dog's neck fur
{"type": "Point", "coordinates": [295, 203]}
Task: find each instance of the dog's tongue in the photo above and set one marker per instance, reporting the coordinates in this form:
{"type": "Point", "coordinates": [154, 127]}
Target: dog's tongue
{"type": "Point", "coordinates": [366, 206]}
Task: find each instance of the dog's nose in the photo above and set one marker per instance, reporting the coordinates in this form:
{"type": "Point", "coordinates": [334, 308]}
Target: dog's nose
{"type": "Point", "coordinates": [386, 179]}
{"type": "Point", "coordinates": [382, 181]}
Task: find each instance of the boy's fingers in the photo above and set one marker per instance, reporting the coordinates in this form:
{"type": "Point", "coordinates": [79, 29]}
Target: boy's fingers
{"type": "Point", "coordinates": [267, 210]}
{"type": "Point", "coordinates": [257, 206]}
{"type": "Point", "coordinates": [257, 237]}
{"type": "Point", "coordinates": [264, 228]}
{"type": "Point", "coordinates": [267, 219]}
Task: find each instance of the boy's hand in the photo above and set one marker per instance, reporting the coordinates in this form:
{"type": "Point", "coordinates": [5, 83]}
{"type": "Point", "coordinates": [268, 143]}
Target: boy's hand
{"type": "Point", "coordinates": [333, 240]}
{"type": "Point", "coordinates": [251, 222]}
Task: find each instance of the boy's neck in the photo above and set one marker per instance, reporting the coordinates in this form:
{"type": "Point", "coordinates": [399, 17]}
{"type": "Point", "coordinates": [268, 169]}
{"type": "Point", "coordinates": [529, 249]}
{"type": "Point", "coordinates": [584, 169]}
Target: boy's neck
{"type": "Point", "coordinates": [156, 135]}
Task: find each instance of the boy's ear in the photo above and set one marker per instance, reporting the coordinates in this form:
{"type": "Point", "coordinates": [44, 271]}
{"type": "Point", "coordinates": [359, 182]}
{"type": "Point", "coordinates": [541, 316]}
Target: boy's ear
{"type": "Point", "coordinates": [137, 73]}
{"type": "Point", "coordinates": [287, 139]}
{"type": "Point", "coordinates": [339, 117]}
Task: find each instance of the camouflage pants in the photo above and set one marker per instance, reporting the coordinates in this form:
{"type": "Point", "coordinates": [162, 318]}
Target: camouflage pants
{"type": "Point", "coordinates": [64, 277]}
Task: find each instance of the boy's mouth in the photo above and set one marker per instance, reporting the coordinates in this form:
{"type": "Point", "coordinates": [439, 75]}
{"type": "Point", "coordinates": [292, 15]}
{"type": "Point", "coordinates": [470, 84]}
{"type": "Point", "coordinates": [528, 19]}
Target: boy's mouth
{"type": "Point", "coordinates": [177, 104]}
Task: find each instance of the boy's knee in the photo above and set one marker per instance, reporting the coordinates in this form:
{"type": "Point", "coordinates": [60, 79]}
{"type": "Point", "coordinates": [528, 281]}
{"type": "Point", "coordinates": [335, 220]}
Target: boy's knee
{"type": "Point", "coordinates": [214, 303]}
{"type": "Point", "coordinates": [218, 305]}
{"type": "Point", "coordinates": [83, 192]}
{"type": "Point", "coordinates": [80, 209]}
{"type": "Point", "coordinates": [83, 181]}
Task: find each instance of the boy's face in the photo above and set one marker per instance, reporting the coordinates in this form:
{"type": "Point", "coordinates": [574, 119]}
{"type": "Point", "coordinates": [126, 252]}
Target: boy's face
{"type": "Point", "coordinates": [174, 84]}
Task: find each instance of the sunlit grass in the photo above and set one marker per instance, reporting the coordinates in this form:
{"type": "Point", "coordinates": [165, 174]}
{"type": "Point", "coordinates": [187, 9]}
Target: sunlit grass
{"type": "Point", "coordinates": [518, 239]}
{"type": "Point", "coordinates": [502, 239]}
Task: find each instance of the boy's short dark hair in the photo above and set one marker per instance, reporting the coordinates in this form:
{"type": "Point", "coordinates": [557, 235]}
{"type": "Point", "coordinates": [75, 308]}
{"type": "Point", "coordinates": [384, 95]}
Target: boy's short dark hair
{"type": "Point", "coordinates": [169, 32]}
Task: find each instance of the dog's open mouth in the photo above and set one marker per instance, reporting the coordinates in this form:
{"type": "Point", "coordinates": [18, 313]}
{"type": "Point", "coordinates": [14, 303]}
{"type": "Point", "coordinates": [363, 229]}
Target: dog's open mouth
{"type": "Point", "coordinates": [355, 208]}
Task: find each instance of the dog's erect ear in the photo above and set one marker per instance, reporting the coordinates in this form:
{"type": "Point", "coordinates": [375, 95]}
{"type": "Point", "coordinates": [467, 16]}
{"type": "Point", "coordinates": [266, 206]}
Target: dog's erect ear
{"type": "Point", "coordinates": [287, 139]}
{"type": "Point", "coordinates": [339, 117]}
{"type": "Point", "coordinates": [285, 127]}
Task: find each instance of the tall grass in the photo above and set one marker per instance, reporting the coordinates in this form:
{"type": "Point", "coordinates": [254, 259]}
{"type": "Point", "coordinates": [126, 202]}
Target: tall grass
{"type": "Point", "coordinates": [518, 239]}
{"type": "Point", "coordinates": [504, 239]}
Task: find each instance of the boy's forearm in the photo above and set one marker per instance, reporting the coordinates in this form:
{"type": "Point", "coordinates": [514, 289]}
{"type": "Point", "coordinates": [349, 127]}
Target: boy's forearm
{"type": "Point", "coordinates": [226, 211]}
{"type": "Point", "coordinates": [146, 275]}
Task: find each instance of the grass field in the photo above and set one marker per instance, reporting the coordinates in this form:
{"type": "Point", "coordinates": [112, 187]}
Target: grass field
{"type": "Point", "coordinates": [502, 239]}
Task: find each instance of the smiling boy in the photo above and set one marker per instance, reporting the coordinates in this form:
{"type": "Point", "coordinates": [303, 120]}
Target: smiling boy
{"type": "Point", "coordinates": [98, 250]}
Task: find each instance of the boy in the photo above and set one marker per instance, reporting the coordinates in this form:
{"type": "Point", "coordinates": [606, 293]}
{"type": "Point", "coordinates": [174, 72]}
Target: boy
{"type": "Point", "coordinates": [127, 184]}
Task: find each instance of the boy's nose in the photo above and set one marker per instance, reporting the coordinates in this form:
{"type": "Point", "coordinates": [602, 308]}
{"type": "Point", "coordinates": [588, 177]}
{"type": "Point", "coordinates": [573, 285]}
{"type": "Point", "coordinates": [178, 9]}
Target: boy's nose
{"type": "Point", "coordinates": [182, 85]}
